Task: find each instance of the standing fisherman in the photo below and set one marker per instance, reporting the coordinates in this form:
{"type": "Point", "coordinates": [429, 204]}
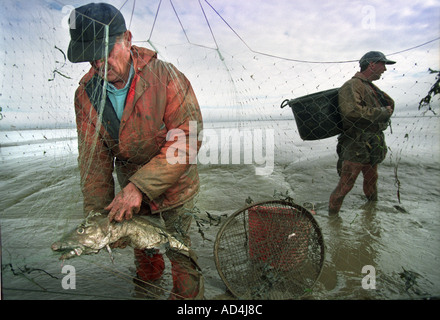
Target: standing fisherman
{"type": "Point", "coordinates": [365, 111]}
{"type": "Point", "coordinates": [145, 99]}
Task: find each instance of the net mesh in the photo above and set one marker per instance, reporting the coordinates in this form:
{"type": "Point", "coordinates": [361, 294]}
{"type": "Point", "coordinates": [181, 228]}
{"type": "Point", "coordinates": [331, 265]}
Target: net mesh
{"type": "Point", "coordinates": [270, 250]}
{"type": "Point", "coordinates": [240, 77]}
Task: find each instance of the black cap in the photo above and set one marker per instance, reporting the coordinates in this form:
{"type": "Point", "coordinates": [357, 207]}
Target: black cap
{"type": "Point", "coordinates": [374, 56]}
{"type": "Point", "coordinates": [87, 33]}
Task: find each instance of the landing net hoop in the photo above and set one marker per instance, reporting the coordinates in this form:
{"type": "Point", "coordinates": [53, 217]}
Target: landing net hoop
{"type": "Point", "coordinates": [270, 250]}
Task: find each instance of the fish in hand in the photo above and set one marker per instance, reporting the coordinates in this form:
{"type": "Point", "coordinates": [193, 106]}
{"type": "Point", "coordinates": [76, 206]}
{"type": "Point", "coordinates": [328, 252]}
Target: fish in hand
{"type": "Point", "coordinates": [97, 232]}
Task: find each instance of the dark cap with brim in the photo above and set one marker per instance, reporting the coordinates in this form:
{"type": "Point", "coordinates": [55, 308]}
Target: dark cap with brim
{"type": "Point", "coordinates": [374, 56]}
{"type": "Point", "coordinates": [87, 31]}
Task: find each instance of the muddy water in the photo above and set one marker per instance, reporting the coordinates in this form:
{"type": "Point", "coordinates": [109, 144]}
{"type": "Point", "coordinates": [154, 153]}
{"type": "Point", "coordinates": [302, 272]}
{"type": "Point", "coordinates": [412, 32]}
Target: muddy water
{"type": "Point", "coordinates": [398, 240]}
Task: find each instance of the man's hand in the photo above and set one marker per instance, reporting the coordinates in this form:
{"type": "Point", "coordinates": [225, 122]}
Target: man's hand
{"type": "Point", "coordinates": [389, 109]}
{"type": "Point", "coordinates": [126, 203]}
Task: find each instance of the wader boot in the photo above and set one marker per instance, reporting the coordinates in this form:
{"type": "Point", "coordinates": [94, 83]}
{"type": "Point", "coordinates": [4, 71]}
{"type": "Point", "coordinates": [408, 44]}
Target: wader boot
{"type": "Point", "coordinates": [188, 282]}
{"type": "Point", "coordinates": [149, 264]}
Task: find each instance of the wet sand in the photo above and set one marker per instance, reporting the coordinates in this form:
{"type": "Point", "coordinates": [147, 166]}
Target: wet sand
{"type": "Point", "coordinates": [40, 200]}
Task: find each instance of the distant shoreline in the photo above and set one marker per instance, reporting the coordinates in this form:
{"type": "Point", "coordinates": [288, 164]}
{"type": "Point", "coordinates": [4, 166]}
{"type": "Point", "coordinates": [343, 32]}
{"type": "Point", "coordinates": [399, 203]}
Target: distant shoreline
{"type": "Point", "coordinates": [288, 118]}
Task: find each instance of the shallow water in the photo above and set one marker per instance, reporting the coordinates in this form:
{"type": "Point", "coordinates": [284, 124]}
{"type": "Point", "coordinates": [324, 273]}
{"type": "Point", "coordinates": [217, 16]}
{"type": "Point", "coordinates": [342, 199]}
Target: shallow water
{"type": "Point", "coordinates": [40, 200]}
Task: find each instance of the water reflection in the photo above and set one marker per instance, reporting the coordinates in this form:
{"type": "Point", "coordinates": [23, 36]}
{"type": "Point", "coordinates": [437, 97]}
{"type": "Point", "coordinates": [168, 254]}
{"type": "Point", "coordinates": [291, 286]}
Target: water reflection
{"type": "Point", "coordinates": [352, 242]}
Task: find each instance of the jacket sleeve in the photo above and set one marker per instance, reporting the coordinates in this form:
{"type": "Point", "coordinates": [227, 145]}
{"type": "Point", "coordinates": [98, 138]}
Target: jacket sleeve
{"type": "Point", "coordinates": [389, 100]}
{"type": "Point", "coordinates": [354, 107]}
{"type": "Point", "coordinates": [177, 155]}
{"type": "Point", "coordinates": [94, 159]}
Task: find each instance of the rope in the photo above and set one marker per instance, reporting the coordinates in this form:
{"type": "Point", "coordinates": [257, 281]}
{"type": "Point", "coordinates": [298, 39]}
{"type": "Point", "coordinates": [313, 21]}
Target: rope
{"type": "Point", "coordinates": [256, 51]}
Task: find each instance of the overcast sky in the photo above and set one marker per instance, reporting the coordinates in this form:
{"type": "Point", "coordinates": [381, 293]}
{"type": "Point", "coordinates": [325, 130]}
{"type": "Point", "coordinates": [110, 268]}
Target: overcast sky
{"type": "Point", "coordinates": [243, 57]}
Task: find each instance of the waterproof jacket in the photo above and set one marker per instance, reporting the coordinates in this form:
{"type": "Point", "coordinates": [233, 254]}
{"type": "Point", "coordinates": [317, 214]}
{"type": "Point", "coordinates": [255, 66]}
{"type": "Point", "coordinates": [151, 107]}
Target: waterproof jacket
{"type": "Point", "coordinates": [155, 143]}
{"type": "Point", "coordinates": [364, 118]}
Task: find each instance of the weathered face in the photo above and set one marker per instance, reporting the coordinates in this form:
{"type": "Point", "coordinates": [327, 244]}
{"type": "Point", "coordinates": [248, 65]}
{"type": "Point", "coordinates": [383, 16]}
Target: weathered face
{"type": "Point", "coordinates": [118, 62]}
{"type": "Point", "coordinates": [89, 237]}
{"type": "Point", "coordinates": [378, 68]}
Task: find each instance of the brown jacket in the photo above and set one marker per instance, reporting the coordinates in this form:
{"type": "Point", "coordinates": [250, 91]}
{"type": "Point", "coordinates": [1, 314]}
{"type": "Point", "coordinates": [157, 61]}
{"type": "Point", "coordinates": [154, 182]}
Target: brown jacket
{"type": "Point", "coordinates": [361, 106]}
{"type": "Point", "coordinates": [160, 101]}
{"type": "Point", "coordinates": [364, 117]}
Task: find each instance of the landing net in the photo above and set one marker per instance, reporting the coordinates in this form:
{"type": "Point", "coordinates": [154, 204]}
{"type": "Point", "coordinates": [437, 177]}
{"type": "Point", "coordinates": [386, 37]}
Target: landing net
{"type": "Point", "coordinates": [270, 250]}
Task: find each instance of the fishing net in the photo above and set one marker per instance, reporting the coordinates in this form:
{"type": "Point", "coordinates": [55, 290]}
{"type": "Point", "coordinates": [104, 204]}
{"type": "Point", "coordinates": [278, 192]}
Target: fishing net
{"type": "Point", "coordinates": [270, 250]}
{"type": "Point", "coordinates": [241, 69]}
